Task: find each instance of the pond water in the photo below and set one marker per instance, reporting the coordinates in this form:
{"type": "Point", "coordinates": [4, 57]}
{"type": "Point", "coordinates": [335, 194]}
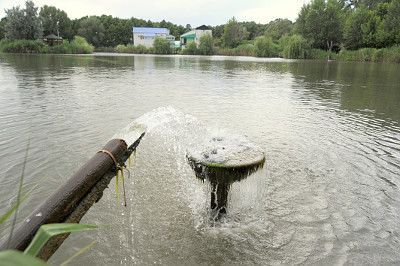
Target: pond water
{"type": "Point", "coordinates": [328, 192]}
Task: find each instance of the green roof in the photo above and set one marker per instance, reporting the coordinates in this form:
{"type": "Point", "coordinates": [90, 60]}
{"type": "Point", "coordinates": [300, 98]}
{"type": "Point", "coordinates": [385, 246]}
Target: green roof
{"type": "Point", "coordinates": [189, 37]}
{"type": "Point", "coordinates": [190, 34]}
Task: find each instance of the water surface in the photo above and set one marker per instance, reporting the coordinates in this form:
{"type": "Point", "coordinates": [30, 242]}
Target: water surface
{"type": "Point", "coordinates": [328, 193]}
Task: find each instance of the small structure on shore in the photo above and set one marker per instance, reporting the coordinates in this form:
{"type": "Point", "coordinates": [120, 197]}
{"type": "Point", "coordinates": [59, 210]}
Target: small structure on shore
{"type": "Point", "coordinates": [53, 39]}
{"type": "Point", "coordinates": [146, 35]}
{"type": "Point", "coordinates": [195, 35]}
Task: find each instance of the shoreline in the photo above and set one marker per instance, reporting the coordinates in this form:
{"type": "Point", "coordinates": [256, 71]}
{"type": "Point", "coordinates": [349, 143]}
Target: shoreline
{"type": "Point", "coordinates": [333, 58]}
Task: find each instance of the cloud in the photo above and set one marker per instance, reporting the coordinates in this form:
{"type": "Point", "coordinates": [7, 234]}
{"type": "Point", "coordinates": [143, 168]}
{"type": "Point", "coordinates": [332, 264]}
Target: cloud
{"type": "Point", "coordinates": [272, 10]}
{"type": "Point", "coordinates": [194, 12]}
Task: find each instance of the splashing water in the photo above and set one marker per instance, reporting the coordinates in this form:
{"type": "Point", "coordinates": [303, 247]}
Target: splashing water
{"type": "Point", "coordinates": [174, 134]}
{"type": "Point", "coordinates": [168, 207]}
{"type": "Point", "coordinates": [207, 145]}
{"type": "Point", "coordinates": [225, 149]}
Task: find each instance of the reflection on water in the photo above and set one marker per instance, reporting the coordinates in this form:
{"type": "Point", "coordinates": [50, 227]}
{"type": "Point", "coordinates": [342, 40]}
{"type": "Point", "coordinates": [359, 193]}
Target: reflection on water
{"type": "Point", "coordinates": [328, 193]}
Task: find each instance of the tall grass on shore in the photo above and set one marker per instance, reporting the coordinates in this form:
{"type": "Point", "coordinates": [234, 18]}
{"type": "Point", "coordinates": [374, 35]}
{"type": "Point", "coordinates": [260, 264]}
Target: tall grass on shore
{"type": "Point", "coordinates": [77, 46]}
{"type": "Point", "coordinates": [242, 50]}
{"type": "Point", "coordinates": [23, 46]}
{"type": "Point", "coordinates": [132, 49]}
{"type": "Point", "coordinates": [387, 55]}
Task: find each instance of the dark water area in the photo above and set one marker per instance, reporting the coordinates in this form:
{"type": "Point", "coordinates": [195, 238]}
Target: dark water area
{"type": "Point", "coordinates": [328, 192]}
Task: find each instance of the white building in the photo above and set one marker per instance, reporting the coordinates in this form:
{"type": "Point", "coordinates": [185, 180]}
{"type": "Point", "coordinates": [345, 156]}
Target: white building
{"type": "Point", "coordinates": [146, 36]}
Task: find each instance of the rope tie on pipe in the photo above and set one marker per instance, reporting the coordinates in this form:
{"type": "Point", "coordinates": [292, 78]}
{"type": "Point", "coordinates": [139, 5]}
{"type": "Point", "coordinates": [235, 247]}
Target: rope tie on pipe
{"type": "Point", "coordinates": [119, 167]}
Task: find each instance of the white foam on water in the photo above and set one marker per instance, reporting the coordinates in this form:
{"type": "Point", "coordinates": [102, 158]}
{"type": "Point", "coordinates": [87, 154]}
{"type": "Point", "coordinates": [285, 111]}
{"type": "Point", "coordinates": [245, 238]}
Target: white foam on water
{"type": "Point", "coordinates": [227, 149]}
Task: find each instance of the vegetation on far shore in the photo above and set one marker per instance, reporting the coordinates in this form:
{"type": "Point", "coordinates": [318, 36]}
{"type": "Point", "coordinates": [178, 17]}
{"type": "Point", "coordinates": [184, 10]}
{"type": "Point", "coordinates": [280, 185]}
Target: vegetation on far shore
{"type": "Point", "coordinates": [351, 30]}
{"type": "Point", "coordinates": [76, 46]}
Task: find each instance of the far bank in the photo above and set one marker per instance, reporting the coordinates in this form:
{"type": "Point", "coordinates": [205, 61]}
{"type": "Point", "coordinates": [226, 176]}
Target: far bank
{"type": "Point", "coordinates": [294, 48]}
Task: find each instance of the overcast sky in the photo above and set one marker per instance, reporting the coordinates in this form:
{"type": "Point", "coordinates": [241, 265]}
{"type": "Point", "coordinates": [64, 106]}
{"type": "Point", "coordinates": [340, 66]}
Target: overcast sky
{"type": "Point", "coordinates": [194, 12]}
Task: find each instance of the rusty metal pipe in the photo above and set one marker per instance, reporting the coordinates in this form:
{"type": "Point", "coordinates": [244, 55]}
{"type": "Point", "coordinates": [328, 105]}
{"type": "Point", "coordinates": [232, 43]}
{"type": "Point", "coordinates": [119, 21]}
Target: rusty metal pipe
{"type": "Point", "coordinates": [71, 201]}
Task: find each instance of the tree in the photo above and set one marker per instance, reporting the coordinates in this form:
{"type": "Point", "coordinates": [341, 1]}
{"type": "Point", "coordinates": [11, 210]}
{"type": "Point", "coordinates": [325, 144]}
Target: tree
{"type": "Point", "coordinates": [162, 46]}
{"type": "Point", "coordinates": [55, 21]}
{"type": "Point", "coordinates": [234, 33]}
{"type": "Point", "coordinates": [34, 29]}
{"type": "Point", "coordinates": [392, 21]}
{"type": "Point", "coordinates": [369, 4]}
{"type": "Point", "coordinates": [14, 28]}
{"type": "Point", "coordinates": [191, 48]}
{"type": "Point", "coordinates": [23, 23]}
{"type": "Point", "coordinates": [365, 28]}
{"type": "Point", "coordinates": [278, 28]}
{"type": "Point", "coordinates": [117, 31]}
{"type": "Point", "coordinates": [265, 47]}
{"type": "Point", "coordinates": [92, 30]}
{"type": "Point", "coordinates": [254, 29]}
{"type": "Point", "coordinates": [218, 31]}
{"type": "Point", "coordinates": [321, 23]}
{"type": "Point", "coordinates": [353, 36]}
{"type": "Point", "coordinates": [296, 47]}
{"type": "Point", "coordinates": [206, 46]}
{"type": "Point", "coordinates": [3, 22]}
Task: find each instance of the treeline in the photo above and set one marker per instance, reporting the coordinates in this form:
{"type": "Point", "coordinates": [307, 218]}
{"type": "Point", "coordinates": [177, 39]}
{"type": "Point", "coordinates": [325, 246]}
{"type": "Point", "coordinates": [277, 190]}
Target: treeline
{"type": "Point", "coordinates": [350, 24]}
{"type": "Point", "coordinates": [339, 29]}
{"type": "Point", "coordinates": [324, 28]}
{"type": "Point", "coordinates": [105, 30]}
{"type": "Point", "coordinates": [100, 31]}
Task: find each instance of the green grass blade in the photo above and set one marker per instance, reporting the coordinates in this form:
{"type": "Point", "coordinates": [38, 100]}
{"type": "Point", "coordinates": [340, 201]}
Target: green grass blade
{"type": "Point", "coordinates": [19, 195]}
{"type": "Point", "coordinates": [9, 213]}
{"type": "Point", "coordinates": [80, 252]}
{"type": "Point", "coordinates": [123, 185]}
{"type": "Point", "coordinates": [117, 186]}
{"type": "Point", "coordinates": [46, 231]}
{"type": "Point", "coordinates": [16, 205]}
{"type": "Point", "coordinates": [17, 258]}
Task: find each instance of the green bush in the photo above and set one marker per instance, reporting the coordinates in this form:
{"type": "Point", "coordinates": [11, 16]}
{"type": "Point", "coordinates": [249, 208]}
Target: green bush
{"type": "Point", "coordinates": [64, 48]}
{"type": "Point", "coordinates": [241, 50]}
{"type": "Point", "coordinates": [225, 51]}
{"type": "Point", "coordinates": [265, 47]}
{"type": "Point", "coordinates": [362, 55]}
{"type": "Point", "coordinates": [191, 48]}
{"type": "Point", "coordinates": [141, 49]}
{"type": "Point", "coordinates": [121, 48]}
{"type": "Point", "coordinates": [23, 46]}
{"type": "Point", "coordinates": [296, 47]}
{"type": "Point", "coordinates": [162, 46]}
{"type": "Point", "coordinates": [77, 46]}
{"type": "Point", "coordinates": [206, 46]}
{"type": "Point", "coordinates": [390, 55]}
{"type": "Point", "coordinates": [378, 56]}
{"type": "Point", "coordinates": [244, 50]}
{"type": "Point", "coordinates": [319, 54]}
{"type": "Point", "coordinates": [131, 49]}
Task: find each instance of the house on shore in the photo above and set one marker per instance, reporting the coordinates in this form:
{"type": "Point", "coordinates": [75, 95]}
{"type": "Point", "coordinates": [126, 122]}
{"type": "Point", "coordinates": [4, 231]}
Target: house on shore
{"type": "Point", "coordinates": [195, 35]}
{"type": "Point", "coordinates": [146, 36]}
